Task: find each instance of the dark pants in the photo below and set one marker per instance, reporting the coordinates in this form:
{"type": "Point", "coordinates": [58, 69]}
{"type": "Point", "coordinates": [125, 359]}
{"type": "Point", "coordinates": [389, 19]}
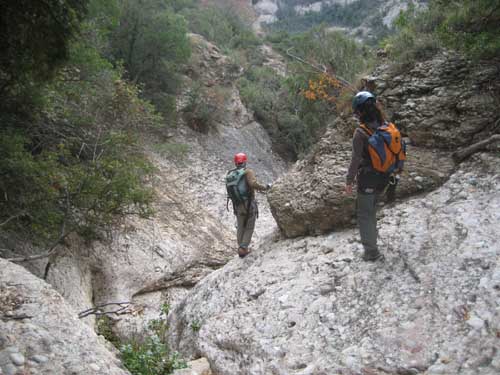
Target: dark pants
{"type": "Point", "coordinates": [246, 216]}
{"type": "Point", "coordinates": [366, 210]}
{"type": "Point", "coordinates": [370, 186]}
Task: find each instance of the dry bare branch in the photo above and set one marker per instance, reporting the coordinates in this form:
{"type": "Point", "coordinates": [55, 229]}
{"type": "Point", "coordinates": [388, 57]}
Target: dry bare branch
{"type": "Point", "coordinates": [12, 218]}
{"type": "Point", "coordinates": [321, 69]}
{"type": "Point", "coordinates": [460, 155]}
{"type": "Point", "coordinates": [63, 234]}
{"type": "Point", "coordinates": [97, 310]}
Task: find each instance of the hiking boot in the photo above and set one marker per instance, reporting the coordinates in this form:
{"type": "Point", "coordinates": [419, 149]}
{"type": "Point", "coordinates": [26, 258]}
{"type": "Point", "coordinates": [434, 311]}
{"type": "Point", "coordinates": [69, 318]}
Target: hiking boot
{"type": "Point", "coordinates": [373, 257]}
{"type": "Point", "coordinates": [242, 252]}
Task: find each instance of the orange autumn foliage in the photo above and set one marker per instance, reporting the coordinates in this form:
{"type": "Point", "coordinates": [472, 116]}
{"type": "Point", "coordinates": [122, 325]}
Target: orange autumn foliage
{"type": "Point", "coordinates": [325, 87]}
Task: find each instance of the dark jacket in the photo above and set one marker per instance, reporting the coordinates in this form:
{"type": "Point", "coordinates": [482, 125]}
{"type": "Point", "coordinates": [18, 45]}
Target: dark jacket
{"type": "Point", "coordinates": [360, 157]}
{"type": "Point", "coordinates": [360, 167]}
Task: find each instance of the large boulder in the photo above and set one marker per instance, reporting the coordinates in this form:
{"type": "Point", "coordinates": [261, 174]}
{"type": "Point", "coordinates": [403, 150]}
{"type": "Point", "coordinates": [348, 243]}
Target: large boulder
{"type": "Point", "coordinates": [40, 332]}
{"type": "Point", "coordinates": [310, 198]}
{"type": "Point", "coordinates": [311, 306]}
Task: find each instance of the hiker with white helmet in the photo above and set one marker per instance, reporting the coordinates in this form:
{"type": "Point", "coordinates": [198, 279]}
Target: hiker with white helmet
{"type": "Point", "coordinates": [378, 153]}
{"type": "Point", "coordinates": [241, 185]}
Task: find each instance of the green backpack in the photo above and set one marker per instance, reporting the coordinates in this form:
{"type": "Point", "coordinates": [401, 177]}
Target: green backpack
{"type": "Point", "coordinates": [237, 187]}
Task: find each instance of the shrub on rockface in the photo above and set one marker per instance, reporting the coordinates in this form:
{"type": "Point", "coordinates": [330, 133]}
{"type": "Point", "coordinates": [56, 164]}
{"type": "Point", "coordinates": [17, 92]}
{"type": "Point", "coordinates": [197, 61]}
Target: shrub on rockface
{"type": "Point", "coordinates": [204, 107]}
{"type": "Point", "coordinates": [152, 356]}
{"type": "Point", "coordinates": [472, 27]}
{"type": "Point", "coordinates": [149, 355]}
{"type": "Point", "coordinates": [349, 15]}
{"type": "Point", "coordinates": [414, 38]}
{"type": "Point", "coordinates": [222, 26]}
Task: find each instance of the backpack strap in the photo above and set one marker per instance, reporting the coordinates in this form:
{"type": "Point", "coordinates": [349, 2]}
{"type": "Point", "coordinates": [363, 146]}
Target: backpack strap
{"type": "Point", "coordinates": [227, 196]}
{"type": "Point", "coordinates": [366, 129]}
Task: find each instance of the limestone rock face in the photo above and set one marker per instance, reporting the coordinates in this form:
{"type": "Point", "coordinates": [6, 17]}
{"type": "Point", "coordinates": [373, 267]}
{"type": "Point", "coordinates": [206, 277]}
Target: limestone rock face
{"type": "Point", "coordinates": [40, 331]}
{"type": "Point", "coordinates": [446, 102]}
{"type": "Point", "coordinates": [310, 198]}
{"type": "Point", "coordinates": [153, 261]}
{"type": "Point", "coordinates": [311, 306]}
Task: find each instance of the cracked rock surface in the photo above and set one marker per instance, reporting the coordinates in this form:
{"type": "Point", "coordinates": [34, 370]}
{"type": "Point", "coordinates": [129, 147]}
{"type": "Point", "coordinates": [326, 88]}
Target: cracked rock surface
{"type": "Point", "coordinates": [41, 334]}
{"type": "Point", "coordinates": [311, 306]}
{"type": "Point", "coordinates": [445, 102]}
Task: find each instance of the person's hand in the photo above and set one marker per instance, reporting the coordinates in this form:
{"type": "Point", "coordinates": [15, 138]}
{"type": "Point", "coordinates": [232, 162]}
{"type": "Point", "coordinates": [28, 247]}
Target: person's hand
{"type": "Point", "coordinates": [348, 189]}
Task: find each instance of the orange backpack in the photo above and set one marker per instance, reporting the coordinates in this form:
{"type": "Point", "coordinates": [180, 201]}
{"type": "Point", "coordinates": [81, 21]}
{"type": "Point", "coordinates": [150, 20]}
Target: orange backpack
{"type": "Point", "coordinates": [386, 148]}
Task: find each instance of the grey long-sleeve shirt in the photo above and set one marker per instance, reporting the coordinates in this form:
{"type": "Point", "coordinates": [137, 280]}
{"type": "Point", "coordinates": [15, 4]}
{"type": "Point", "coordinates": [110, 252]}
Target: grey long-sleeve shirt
{"type": "Point", "coordinates": [359, 145]}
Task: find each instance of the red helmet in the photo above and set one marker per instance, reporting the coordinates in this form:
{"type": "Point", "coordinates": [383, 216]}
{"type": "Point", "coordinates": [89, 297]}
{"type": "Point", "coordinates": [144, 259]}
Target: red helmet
{"type": "Point", "coordinates": [240, 158]}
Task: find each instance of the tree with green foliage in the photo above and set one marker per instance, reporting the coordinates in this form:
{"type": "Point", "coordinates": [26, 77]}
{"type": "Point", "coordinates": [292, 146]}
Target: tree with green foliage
{"type": "Point", "coordinates": [34, 37]}
{"type": "Point", "coordinates": [293, 122]}
{"type": "Point", "coordinates": [151, 40]}
{"type": "Point", "coordinates": [70, 160]}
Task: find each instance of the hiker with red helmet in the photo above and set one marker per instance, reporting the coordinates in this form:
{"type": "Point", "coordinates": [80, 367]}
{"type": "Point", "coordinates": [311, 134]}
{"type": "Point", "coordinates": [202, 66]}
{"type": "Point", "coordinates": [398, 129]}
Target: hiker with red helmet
{"type": "Point", "coordinates": [378, 153]}
{"type": "Point", "coordinates": [241, 185]}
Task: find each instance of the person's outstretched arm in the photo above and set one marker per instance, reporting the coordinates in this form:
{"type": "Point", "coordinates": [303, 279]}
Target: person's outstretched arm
{"type": "Point", "coordinates": [253, 183]}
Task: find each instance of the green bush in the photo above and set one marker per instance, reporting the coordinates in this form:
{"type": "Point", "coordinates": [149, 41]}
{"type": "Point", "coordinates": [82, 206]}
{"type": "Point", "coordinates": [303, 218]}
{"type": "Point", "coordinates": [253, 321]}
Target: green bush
{"type": "Point", "coordinates": [415, 39]}
{"type": "Point", "coordinates": [259, 97]}
{"type": "Point", "coordinates": [56, 191]}
{"type": "Point", "coordinates": [472, 27]}
{"type": "Point", "coordinates": [152, 356]}
{"type": "Point", "coordinates": [195, 325]}
{"type": "Point", "coordinates": [292, 122]}
{"type": "Point", "coordinates": [205, 106]}
{"type": "Point", "coordinates": [105, 329]}
{"type": "Point", "coordinates": [323, 48]}
{"type": "Point", "coordinates": [222, 26]}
